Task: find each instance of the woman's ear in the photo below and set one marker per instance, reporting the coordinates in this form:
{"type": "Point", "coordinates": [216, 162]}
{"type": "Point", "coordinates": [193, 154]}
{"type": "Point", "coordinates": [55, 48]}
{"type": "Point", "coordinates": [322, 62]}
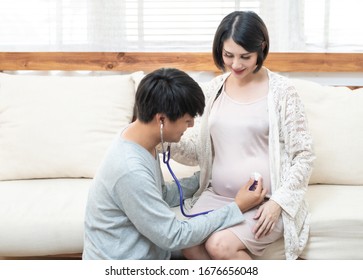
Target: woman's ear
{"type": "Point", "coordinates": [263, 45]}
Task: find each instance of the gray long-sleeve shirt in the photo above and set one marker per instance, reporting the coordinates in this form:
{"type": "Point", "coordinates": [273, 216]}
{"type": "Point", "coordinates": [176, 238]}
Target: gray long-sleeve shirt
{"type": "Point", "coordinates": [128, 213]}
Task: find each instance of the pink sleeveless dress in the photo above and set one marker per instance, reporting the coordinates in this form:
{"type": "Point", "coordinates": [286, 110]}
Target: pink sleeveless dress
{"type": "Point", "coordinates": [240, 139]}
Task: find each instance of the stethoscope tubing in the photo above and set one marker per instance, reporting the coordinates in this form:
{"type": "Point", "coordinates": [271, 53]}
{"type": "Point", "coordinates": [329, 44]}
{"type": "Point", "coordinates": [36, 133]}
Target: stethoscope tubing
{"type": "Point", "coordinates": [166, 160]}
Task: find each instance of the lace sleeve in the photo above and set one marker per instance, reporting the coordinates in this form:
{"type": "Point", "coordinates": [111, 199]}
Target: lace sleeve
{"type": "Point", "coordinates": [185, 151]}
{"type": "Point", "coordinates": [296, 152]}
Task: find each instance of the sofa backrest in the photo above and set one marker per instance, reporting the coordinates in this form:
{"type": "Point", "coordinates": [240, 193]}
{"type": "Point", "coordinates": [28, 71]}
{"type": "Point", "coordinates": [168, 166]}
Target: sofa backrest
{"type": "Point", "coordinates": [60, 126]}
{"type": "Point", "coordinates": [335, 117]}
{"type": "Point", "coordinates": [338, 160]}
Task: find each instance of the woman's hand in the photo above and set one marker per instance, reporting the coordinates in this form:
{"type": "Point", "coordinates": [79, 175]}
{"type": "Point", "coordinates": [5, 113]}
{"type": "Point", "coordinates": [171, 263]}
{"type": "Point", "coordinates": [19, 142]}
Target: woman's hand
{"type": "Point", "coordinates": [267, 214]}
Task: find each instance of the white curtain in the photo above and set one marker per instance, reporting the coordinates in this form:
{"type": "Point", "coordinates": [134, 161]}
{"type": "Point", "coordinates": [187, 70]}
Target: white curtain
{"type": "Point", "coordinates": [165, 25]}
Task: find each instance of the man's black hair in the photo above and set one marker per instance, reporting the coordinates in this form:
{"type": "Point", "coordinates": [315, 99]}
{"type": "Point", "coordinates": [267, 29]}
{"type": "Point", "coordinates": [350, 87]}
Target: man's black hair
{"type": "Point", "coordinates": [169, 91]}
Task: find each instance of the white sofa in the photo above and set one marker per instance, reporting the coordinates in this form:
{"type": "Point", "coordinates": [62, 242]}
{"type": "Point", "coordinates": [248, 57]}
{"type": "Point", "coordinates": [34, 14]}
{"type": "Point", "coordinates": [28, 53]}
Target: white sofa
{"type": "Point", "coordinates": [55, 129]}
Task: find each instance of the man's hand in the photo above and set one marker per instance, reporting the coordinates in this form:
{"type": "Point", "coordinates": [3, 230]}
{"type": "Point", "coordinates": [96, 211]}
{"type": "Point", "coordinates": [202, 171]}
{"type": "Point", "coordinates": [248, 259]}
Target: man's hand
{"type": "Point", "coordinates": [247, 199]}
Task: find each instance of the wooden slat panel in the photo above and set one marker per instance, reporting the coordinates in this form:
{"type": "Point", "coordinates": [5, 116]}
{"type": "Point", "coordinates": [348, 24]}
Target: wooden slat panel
{"type": "Point", "coordinates": [133, 61]}
{"type": "Point", "coordinates": [315, 62]}
{"type": "Point", "coordinates": [105, 61]}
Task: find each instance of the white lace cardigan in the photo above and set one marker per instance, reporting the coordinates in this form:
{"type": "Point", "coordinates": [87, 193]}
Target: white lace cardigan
{"type": "Point", "coordinates": [290, 155]}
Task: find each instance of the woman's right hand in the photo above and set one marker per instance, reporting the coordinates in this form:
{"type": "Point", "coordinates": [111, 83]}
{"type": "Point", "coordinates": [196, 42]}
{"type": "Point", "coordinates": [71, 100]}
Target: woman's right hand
{"type": "Point", "coordinates": [247, 199]}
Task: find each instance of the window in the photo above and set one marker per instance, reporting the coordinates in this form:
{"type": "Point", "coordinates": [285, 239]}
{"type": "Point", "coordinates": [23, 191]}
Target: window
{"type": "Point", "coordinates": [164, 25]}
{"type": "Point", "coordinates": [42, 24]}
{"type": "Point", "coordinates": [187, 25]}
{"type": "Point", "coordinates": [333, 25]}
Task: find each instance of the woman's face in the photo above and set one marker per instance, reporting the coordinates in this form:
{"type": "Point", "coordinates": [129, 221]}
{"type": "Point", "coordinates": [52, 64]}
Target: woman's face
{"type": "Point", "coordinates": [237, 60]}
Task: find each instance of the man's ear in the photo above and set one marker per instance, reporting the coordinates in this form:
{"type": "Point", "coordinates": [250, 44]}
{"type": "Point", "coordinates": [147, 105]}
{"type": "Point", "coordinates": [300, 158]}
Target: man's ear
{"type": "Point", "coordinates": [160, 118]}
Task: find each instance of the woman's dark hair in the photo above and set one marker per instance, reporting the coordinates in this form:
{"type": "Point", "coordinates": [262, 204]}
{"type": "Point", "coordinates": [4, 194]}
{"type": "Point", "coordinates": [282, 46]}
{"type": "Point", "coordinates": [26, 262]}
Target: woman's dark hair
{"type": "Point", "coordinates": [246, 29]}
{"type": "Point", "coordinates": [171, 92]}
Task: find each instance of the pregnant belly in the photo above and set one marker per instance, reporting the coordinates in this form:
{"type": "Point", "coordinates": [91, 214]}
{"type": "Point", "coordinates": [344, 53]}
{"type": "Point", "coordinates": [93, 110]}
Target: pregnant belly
{"type": "Point", "coordinates": [227, 180]}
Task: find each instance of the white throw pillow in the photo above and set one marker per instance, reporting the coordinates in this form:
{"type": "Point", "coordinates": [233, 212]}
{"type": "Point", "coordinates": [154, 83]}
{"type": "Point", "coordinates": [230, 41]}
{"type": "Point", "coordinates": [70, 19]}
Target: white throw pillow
{"type": "Point", "coordinates": [335, 117]}
{"type": "Point", "coordinates": [60, 126]}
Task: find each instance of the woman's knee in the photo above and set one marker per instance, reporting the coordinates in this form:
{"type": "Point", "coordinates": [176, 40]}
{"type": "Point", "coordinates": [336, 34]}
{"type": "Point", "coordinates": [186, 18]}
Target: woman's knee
{"type": "Point", "coordinates": [218, 247]}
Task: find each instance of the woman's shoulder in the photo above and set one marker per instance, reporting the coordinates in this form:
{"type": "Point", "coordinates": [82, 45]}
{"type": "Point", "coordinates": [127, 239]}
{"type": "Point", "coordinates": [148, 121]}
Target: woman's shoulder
{"type": "Point", "coordinates": [280, 85]}
{"type": "Point", "coordinates": [279, 80]}
{"type": "Point", "coordinates": [211, 87]}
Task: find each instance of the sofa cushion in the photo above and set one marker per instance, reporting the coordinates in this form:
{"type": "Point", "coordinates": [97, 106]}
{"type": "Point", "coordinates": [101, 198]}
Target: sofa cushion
{"type": "Point", "coordinates": [42, 217]}
{"type": "Point", "coordinates": [60, 126]}
{"type": "Point", "coordinates": [335, 120]}
{"type": "Point", "coordinates": [336, 224]}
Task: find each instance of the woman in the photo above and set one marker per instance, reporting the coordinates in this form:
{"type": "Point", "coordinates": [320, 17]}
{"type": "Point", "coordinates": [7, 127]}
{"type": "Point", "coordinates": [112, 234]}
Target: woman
{"type": "Point", "coordinates": [254, 121]}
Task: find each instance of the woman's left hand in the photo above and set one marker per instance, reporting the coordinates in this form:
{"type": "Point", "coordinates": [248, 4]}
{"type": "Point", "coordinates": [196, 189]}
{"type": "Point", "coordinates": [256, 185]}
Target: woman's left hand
{"type": "Point", "coordinates": [267, 214]}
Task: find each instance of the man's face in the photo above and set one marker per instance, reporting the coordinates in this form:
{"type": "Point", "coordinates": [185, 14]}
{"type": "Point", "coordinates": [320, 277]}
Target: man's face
{"type": "Point", "coordinates": [173, 131]}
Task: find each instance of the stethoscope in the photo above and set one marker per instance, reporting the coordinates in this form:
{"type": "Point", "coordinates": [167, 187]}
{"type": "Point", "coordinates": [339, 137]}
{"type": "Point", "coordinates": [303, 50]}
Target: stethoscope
{"type": "Point", "coordinates": [166, 159]}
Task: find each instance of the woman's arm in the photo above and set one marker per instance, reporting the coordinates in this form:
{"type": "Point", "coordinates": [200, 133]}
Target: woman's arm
{"type": "Point", "coordinates": [189, 186]}
{"type": "Point", "coordinates": [297, 153]}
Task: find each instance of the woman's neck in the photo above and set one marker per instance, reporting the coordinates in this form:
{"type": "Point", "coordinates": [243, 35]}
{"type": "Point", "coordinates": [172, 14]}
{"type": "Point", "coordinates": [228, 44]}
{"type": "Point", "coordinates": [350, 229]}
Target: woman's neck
{"type": "Point", "coordinates": [248, 89]}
